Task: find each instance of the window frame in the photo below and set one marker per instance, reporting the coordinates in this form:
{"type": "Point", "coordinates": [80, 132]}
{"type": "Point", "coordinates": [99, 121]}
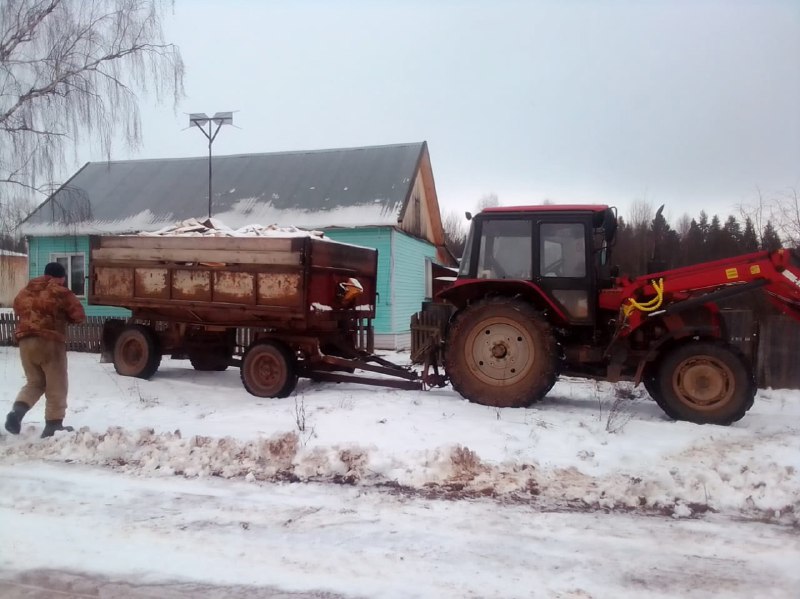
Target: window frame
{"type": "Point", "coordinates": [70, 256]}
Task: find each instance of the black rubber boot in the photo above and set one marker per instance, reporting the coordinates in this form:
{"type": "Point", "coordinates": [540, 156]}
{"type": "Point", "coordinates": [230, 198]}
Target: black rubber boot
{"type": "Point", "coordinates": [51, 426]}
{"type": "Point", "coordinates": [15, 416]}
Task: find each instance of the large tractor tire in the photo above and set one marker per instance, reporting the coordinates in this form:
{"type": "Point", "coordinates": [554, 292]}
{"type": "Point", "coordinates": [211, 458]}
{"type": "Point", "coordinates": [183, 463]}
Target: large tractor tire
{"type": "Point", "coordinates": [269, 369]}
{"type": "Point", "coordinates": [501, 352]}
{"type": "Point", "coordinates": [706, 383]}
{"type": "Point", "coordinates": [136, 352]}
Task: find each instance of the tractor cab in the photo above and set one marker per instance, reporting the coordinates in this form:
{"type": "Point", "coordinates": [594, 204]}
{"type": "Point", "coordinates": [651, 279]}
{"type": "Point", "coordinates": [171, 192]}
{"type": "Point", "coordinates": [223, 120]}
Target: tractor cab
{"type": "Point", "coordinates": [560, 253]}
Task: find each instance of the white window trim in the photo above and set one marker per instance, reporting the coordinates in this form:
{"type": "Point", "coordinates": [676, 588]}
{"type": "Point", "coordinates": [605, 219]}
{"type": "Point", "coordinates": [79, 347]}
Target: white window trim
{"type": "Point", "coordinates": [428, 278]}
{"type": "Point", "coordinates": [82, 256]}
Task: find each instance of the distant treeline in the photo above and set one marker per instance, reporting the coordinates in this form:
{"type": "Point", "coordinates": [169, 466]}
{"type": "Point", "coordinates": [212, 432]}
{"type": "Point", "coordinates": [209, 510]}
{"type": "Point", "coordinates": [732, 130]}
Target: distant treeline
{"type": "Point", "coordinates": [646, 245]}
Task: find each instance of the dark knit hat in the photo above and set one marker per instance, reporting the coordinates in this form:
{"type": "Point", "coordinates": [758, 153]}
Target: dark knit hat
{"type": "Point", "coordinates": [54, 269]}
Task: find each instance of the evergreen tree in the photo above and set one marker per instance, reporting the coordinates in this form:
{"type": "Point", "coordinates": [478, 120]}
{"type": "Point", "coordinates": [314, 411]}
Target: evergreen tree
{"type": "Point", "coordinates": [769, 238]}
{"type": "Point", "coordinates": [665, 242]}
{"type": "Point", "coordinates": [702, 224]}
{"type": "Point", "coordinates": [731, 238]}
{"type": "Point", "coordinates": [624, 248]}
{"type": "Point", "coordinates": [693, 245]}
{"type": "Point", "coordinates": [749, 237]}
{"type": "Point", "coordinates": [715, 243]}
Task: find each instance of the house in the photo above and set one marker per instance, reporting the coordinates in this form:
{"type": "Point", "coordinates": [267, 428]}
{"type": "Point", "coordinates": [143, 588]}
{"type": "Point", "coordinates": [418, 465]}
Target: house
{"type": "Point", "coordinates": [380, 196]}
{"type": "Point", "coordinates": [13, 276]}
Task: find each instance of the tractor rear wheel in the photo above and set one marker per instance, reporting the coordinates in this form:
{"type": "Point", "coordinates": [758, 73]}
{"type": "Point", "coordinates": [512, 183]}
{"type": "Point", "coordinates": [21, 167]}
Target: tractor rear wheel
{"type": "Point", "coordinates": [269, 369]}
{"type": "Point", "coordinates": [501, 352]}
{"type": "Point", "coordinates": [705, 383]}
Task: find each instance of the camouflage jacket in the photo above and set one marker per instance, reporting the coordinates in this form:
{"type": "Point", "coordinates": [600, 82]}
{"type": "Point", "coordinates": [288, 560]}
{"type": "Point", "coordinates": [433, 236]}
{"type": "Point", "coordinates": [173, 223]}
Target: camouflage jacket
{"type": "Point", "coordinates": [44, 307]}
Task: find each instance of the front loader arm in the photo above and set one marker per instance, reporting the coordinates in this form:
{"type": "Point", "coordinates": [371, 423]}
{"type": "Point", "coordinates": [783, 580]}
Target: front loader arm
{"type": "Point", "coordinates": [777, 273]}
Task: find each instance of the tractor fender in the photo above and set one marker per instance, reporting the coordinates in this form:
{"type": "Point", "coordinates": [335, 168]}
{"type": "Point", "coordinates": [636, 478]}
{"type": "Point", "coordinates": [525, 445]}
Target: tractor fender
{"type": "Point", "coordinates": [465, 292]}
{"type": "Point", "coordinates": [672, 339]}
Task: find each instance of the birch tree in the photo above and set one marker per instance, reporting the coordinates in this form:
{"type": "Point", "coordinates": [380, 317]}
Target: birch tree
{"type": "Point", "coordinates": [73, 72]}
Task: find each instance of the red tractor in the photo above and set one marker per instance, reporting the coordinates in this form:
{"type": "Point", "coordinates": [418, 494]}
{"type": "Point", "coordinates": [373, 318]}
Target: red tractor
{"type": "Point", "coordinates": [536, 297]}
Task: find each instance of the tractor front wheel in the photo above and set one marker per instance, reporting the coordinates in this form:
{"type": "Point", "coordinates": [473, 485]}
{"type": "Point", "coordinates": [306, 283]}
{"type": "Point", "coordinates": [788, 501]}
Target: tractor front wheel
{"type": "Point", "coordinates": [501, 352]}
{"type": "Point", "coordinates": [705, 383]}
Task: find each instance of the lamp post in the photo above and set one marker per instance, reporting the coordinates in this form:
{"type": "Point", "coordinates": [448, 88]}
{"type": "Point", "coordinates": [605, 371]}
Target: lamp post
{"type": "Point", "coordinates": [200, 119]}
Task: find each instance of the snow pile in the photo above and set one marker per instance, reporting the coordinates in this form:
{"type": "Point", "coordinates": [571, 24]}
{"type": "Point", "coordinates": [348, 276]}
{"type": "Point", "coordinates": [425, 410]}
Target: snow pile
{"type": "Point", "coordinates": [584, 447]}
{"type": "Point", "coordinates": [454, 471]}
{"type": "Point", "coordinates": [212, 227]}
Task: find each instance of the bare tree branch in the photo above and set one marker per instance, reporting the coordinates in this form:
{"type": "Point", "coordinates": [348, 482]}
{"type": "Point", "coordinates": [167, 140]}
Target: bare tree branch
{"type": "Point", "coordinates": [73, 70]}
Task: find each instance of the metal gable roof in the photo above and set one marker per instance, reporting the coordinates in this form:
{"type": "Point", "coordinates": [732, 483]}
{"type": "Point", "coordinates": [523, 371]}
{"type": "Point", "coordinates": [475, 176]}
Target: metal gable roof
{"type": "Point", "coordinates": [342, 187]}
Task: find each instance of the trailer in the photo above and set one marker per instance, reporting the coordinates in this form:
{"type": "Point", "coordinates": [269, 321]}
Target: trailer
{"type": "Point", "coordinates": [308, 301]}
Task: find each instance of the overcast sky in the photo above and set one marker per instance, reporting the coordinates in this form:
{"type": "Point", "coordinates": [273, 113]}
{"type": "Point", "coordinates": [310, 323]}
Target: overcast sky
{"type": "Point", "coordinates": [693, 104]}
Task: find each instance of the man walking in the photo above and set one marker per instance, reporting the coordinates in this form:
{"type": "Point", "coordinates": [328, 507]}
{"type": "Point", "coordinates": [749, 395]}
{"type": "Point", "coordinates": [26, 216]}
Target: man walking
{"type": "Point", "coordinates": [44, 307]}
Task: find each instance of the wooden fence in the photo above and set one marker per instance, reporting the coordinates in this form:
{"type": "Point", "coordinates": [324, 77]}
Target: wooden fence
{"type": "Point", "coordinates": [772, 344]}
{"type": "Point", "coordinates": [86, 337]}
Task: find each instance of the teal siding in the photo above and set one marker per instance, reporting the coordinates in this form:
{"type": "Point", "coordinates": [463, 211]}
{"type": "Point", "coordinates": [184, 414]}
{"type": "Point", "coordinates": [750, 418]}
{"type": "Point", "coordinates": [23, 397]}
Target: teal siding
{"type": "Point", "coordinates": [408, 278]}
{"type": "Point", "coordinates": [40, 250]}
{"type": "Point", "coordinates": [379, 238]}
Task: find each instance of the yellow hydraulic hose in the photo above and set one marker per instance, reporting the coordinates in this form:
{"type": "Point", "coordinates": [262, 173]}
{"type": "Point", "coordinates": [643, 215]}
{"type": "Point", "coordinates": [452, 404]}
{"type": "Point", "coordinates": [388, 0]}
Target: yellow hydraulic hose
{"type": "Point", "coordinates": [649, 306]}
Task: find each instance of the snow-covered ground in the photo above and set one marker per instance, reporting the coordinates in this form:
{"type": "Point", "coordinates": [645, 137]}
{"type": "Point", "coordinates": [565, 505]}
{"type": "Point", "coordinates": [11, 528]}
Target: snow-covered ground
{"type": "Point", "coordinates": [368, 492]}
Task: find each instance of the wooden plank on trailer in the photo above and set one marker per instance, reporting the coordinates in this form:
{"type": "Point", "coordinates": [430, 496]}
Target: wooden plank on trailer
{"type": "Point", "coordinates": [197, 256]}
{"type": "Point", "coordinates": [249, 244]}
{"type": "Point", "coordinates": [113, 282]}
{"type": "Point", "coordinates": [325, 254]}
{"type": "Point", "coordinates": [280, 288]}
{"type": "Point", "coordinates": [151, 282]}
{"type": "Point", "coordinates": [234, 287]}
{"type": "Point", "coordinates": [194, 285]}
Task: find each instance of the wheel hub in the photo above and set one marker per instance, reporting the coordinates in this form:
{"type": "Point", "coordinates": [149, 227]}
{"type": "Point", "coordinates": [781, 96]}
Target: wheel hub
{"type": "Point", "coordinates": [500, 351]}
{"type": "Point", "coordinates": [267, 370]}
{"type": "Point", "coordinates": [703, 382]}
{"type": "Point", "coordinates": [132, 352]}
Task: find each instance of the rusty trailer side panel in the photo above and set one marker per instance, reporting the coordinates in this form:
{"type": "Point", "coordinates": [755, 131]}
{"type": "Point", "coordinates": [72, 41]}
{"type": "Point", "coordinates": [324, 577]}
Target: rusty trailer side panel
{"type": "Point", "coordinates": [281, 282]}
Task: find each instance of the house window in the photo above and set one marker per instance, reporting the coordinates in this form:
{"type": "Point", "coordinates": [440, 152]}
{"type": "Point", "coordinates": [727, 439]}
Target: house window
{"type": "Point", "coordinates": [76, 271]}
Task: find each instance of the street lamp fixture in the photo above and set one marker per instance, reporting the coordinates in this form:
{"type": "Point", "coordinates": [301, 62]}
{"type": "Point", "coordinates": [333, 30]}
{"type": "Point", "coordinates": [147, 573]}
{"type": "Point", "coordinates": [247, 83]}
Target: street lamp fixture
{"type": "Point", "coordinates": [201, 120]}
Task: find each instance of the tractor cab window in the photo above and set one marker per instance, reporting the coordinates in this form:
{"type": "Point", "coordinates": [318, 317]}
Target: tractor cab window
{"type": "Point", "coordinates": [563, 250]}
{"type": "Point", "coordinates": [505, 250]}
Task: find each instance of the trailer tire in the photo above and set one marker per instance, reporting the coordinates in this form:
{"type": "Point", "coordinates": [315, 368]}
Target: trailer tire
{"type": "Point", "coordinates": [705, 382]}
{"type": "Point", "coordinates": [269, 369]}
{"type": "Point", "coordinates": [501, 352]}
{"type": "Point", "coordinates": [137, 352]}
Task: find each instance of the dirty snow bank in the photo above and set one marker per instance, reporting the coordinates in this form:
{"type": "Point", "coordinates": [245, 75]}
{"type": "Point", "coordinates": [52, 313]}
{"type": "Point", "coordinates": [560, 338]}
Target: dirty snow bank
{"type": "Point", "coordinates": [727, 480]}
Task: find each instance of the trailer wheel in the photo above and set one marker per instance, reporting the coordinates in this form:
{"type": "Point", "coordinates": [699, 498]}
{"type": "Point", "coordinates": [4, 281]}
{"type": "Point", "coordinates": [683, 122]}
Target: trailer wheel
{"type": "Point", "coordinates": [705, 383]}
{"type": "Point", "coordinates": [136, 352]}
{"type": "Point", "coordinates": [501, 353]}
{"type": "Point", "coordinates": [269, 370]}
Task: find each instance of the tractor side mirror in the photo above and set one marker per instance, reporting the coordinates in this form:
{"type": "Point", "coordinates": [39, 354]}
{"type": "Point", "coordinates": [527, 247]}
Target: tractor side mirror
{"type": "Point", "coordinates": [468, 215]}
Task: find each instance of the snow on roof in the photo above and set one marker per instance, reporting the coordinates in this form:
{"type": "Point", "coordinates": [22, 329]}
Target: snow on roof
{"type": "Point", "coordinates": [326, 188]}
{"type": "Point", "coordinates": [10, 253]}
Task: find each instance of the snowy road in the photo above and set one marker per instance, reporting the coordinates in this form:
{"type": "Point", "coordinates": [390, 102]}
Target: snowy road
{"type": "Point", "coordinates": [368, 543]}
{"type": "Point", "coordinates": [592, 493]}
